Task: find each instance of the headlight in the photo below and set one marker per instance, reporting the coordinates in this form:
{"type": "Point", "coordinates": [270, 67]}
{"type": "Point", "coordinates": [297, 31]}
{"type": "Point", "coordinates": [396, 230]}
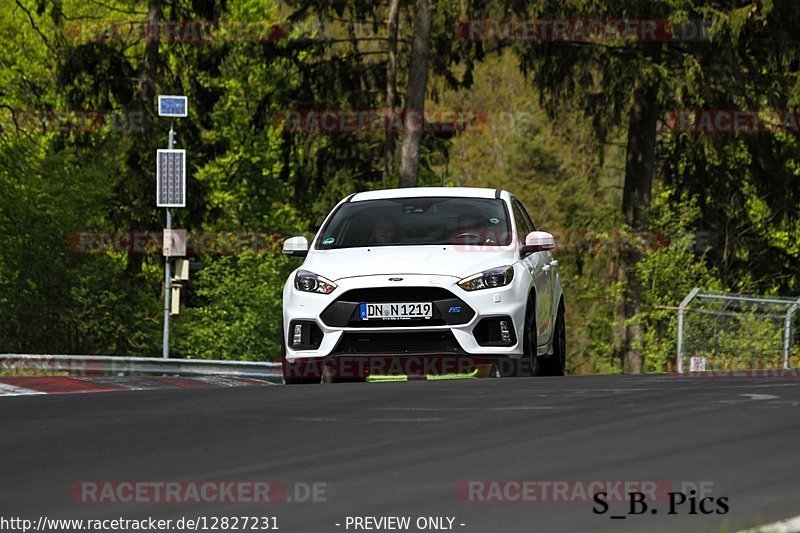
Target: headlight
{"type": "Point", "coordinates": [488, 279]}
{"type": "Point", "coordinates": [309, 282]}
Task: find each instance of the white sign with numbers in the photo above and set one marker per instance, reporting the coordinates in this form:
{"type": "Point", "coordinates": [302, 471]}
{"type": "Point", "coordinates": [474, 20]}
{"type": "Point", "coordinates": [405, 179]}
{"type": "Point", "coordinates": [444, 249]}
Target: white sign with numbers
{"type": "Point", "coordinates": [171, 178]}
{"type": "Point", "coordinates": [697, 364]}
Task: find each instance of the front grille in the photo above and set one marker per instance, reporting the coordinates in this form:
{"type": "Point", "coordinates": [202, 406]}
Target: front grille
{"type": "Point", "coordinates": [396, 294]}
{"type": "Point", "coordinates": [447, 308]}
{"type": "Point", "coordinates": [425, 342]}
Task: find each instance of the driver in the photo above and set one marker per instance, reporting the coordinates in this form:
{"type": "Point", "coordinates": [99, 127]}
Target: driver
{"type": "Point", "coordinates": [469, 223]}
{"type": "Point", "coordinates": [384, 231]}
{"type": "Point", "coordinates": [471, 227]}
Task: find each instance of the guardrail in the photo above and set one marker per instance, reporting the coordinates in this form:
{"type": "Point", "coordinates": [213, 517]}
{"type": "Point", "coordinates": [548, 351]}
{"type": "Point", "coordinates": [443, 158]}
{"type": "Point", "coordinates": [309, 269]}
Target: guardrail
{"type": "Point", "coordinates": [82, 365]}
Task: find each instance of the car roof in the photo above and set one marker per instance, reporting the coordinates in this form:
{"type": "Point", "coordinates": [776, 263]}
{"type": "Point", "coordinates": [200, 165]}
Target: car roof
{"type": "Point", "coordinates": [421, 192]}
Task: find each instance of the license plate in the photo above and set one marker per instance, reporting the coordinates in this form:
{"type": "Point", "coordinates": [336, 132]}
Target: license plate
{"type": "Point", "coordinates": [396, 311]}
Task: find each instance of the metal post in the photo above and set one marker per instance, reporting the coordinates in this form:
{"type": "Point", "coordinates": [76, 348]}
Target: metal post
{"type": "Point", "coordinates": [680, 341]}
{"type": "Point", "coordinates": [686, 301]}
{"type": "Point", "coordinates": [787, 336]}
{"type": "Point", "coordinates": [167, 273]}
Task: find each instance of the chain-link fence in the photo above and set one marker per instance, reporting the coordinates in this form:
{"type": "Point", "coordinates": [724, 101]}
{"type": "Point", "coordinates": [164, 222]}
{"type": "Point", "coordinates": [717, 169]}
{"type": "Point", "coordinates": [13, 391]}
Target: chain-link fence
{"type": "Point", "coordinates": [737, 332]}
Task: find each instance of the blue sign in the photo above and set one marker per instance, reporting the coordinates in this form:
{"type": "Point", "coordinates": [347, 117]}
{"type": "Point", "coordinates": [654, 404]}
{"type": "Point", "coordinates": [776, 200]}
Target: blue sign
{"type": "Point", "coordinates": [173, 106]}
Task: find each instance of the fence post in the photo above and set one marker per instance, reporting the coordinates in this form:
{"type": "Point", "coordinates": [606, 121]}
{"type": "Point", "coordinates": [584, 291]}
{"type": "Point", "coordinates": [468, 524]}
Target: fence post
{"type": "Point", "coordinates": [787, 337]}
{"type": "Point", "coordinates": [686, 301]}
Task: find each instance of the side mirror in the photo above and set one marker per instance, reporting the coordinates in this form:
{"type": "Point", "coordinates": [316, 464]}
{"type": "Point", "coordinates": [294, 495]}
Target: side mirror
{"type": "Point", "coordinates": [538, 241]}
{"type": "Point", "coordinates": [296, 246]}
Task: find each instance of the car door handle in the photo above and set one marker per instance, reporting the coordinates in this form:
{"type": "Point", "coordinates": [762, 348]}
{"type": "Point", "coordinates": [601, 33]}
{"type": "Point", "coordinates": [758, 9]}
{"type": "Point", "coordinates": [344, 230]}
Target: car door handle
{"type": "Point", "coordinates": [546, 268]}
{"type": "Point", "coordinates": [553, 263]}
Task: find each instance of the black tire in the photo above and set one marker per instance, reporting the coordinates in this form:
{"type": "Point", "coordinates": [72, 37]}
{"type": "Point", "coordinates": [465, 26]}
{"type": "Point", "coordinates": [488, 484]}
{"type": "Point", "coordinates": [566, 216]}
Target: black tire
{"type": "Point", "coordinates": [531, 364]}
{"type": "Point", "coordinates": [556, 364]}
{"type": "Point", "coordinates": [508, 368]}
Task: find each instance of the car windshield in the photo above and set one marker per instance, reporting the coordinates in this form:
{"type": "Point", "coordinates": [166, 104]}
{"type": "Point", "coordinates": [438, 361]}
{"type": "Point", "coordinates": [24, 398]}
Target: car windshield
{"type": "Point", "coordinates": [417, 221]}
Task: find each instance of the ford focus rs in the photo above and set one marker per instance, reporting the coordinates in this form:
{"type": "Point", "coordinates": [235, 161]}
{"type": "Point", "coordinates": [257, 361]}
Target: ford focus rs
{"type": "Point", "coordinates": [419, 277]}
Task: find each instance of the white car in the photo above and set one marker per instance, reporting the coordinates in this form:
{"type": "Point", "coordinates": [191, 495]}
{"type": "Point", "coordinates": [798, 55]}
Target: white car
{"type": "Point", "coordinates": [423, 280]}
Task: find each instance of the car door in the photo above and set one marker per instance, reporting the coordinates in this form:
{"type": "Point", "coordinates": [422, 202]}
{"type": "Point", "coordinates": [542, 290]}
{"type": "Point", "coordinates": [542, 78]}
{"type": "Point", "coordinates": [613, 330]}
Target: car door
{"type": "Point", "coordinates": [538, 264]}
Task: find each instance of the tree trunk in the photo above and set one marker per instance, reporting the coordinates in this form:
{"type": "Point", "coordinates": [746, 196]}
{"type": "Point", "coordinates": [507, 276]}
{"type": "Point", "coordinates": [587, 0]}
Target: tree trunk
{"type": "Point", "coordinates": [639, 167]}
{"type": "Point", "coordinates": [391, 87]}
{"type": "Point", "coordinates": [413, 122]}
{"type": "Point", "coordinates": [146, 92]}
{"type": "Point", "coordinates": [150, 63]}
{"type": "Point", "coordinates": [640, 155]}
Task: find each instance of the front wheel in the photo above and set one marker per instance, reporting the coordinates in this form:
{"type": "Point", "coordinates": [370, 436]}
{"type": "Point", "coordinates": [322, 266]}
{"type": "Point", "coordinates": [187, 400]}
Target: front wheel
{"type": "Point", "coordinates": [555, 365]}
{"type": "Point", "coordinates": [531, 364]}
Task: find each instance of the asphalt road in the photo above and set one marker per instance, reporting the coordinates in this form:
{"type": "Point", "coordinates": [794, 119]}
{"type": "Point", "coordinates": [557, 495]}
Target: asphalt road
{"type": "Point", "coordinates": [407, 449]}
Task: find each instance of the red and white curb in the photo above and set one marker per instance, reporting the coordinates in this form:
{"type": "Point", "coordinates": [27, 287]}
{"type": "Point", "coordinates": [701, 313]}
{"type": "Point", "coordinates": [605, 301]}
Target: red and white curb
{"type": "Point", "coordinates": [6, 389]}
{"type": "Point", "coordinates": [23, 386]}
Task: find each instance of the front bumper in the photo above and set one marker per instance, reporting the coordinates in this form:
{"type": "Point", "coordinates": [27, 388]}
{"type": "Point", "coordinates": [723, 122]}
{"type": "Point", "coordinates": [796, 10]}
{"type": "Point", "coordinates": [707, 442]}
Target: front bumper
{"type": "Point", "coordinates": [457, 318]}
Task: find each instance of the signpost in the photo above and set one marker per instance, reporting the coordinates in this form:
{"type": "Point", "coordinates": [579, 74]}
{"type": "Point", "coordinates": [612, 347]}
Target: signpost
{"type": "Point", "coordinates": [171, 192]}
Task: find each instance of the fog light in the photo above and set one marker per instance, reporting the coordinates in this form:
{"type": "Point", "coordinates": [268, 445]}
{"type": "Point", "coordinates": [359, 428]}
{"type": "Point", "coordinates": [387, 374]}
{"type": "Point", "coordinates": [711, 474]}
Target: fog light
{"type": "Point", "coordinates": [298, 334]}
{"type": "Point", "coordinates": [505, 335]}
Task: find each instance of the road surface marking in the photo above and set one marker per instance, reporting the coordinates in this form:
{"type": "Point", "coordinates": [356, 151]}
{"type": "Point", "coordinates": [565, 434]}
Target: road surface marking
{"type": "Point", "coordinates": [760, 396]}
{"type": "Point", "coordinates": [790, 525]}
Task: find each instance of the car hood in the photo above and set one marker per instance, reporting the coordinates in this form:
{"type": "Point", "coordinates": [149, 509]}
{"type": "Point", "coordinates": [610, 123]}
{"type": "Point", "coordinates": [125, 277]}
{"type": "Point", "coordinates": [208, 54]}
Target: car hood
{"type": "Point", "coordinates": [440, 260]}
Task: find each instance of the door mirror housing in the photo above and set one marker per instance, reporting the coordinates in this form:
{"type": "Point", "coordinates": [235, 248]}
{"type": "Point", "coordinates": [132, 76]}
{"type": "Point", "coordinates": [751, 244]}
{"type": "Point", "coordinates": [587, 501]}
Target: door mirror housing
{"type": "Point", "coordinates": [296, 246]}
{"type": "Point", "coordinates": [538, 241]}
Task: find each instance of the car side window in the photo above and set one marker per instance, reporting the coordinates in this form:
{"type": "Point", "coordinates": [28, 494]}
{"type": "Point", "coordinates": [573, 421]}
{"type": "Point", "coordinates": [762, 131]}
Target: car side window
{"type": "Point", "coordinates": [527, 217]}
{"type": "Point", "coordinates": [521, 221]}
